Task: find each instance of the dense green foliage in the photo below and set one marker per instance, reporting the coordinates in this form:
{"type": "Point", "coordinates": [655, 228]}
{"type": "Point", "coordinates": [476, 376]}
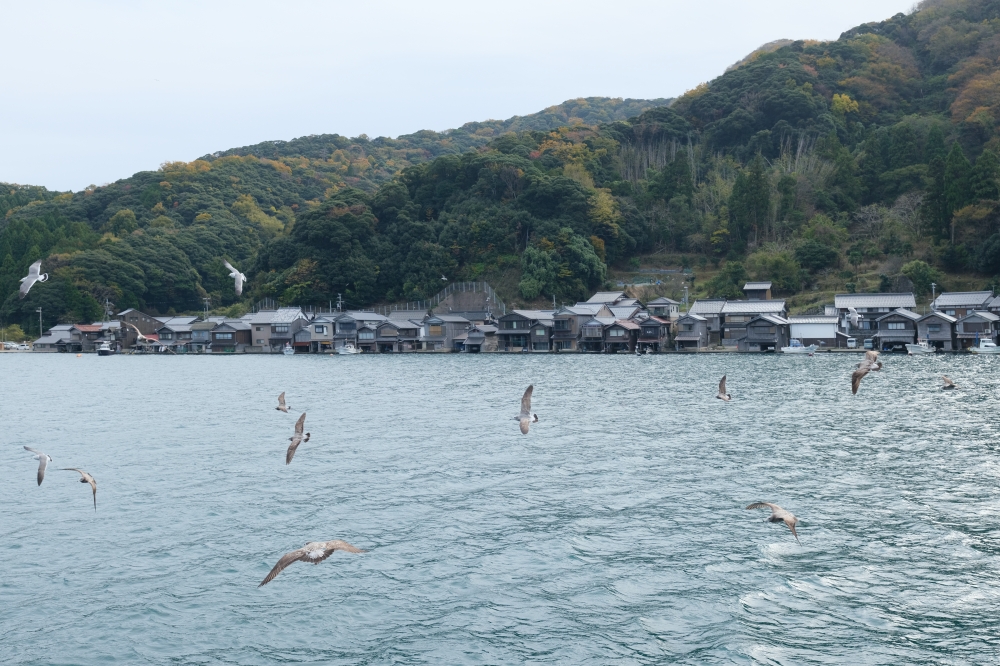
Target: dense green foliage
{"type": "Point", "coordinates": [866, 163]}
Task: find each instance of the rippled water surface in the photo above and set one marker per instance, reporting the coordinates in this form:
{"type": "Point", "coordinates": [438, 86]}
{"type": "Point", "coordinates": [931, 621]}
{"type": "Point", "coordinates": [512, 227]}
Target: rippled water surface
{"type": "Point", "coordinates": [613, 532]}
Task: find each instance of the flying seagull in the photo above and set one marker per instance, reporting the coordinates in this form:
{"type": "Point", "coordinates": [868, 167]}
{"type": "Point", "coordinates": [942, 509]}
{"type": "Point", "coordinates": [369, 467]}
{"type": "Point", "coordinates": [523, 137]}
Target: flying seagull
{"type": "Point", "coordinates": [854, 317]}
{"type": "Point", "coordinates": [282, 407]}
{"type": "Point", "coordinates": [296, 439]}
{"type": "Point", "coordinates": [32, 277]}
{"type": "Point", "coordinates": [139, 337]}
{"type": "Point", "coordinates": [948, 384]}
{"type": "Point", "coordinates": [778, 515]}
{"type": "Point", "coordinates": [869, 363]}
{"type": "Point", "coordinates": [314, 551]}
{"type": "Point", "coordinates": [43, 460]}
{"type": "Point", "coordinates": [444, 278]}
{"type": "Point", "coordinates": [525, 417]}
{"type": "Point", "coordinates": [722, 391]}
{"type": "Point", "coordinates": [238, 277]}
{"type": "Point", "coordinates": [85, 478]}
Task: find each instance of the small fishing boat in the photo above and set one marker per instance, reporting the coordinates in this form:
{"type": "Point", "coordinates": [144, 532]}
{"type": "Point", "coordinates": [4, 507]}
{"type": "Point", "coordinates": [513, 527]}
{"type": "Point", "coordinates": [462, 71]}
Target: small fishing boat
{"type": "Point", "coordinates": [922, 347]}
{"type": "Point", "coordinates": [985, 347]}
{"type": "Point", "coordinates": [348, 349]}
{"type": "Point", "coordinates": [105, 349]}
{"type": "Point", "coordinates": [288, 350]}
{"type": "Point", "coordinates": [796, 347]}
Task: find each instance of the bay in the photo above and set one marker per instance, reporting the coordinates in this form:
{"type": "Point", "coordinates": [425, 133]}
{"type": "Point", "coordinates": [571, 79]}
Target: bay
{"type": "Point", "coordinates": [613, 532]}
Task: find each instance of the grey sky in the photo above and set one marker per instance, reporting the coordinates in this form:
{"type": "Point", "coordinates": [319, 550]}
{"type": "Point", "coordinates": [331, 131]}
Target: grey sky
{"type": "Point", "coordinates": [94, 92]}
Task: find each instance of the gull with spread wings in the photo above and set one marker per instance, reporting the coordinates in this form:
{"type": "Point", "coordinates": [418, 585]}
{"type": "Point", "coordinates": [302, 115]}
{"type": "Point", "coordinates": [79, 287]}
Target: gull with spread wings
{"type": "Point", "coordinates": [526, 418]}
{"type": "Point", "coordinates": [282, 407]}
{"type": "Point", "coordinates": [314, 551]}
{"type": "Point", "coordinates": [238, 278]}
{"type": "Point", "coordinates": [43, 461]}
{"type": "Point", "coordinates": [296, 439]}
{"type": "Point", "coordinates": [85, 478]}
{"type": "Point", "coordinates": [778, 515]}
{"type": "Point", "coordinates": [34, 275]}
{"type": "Point", "coordinates": [722, 390]}
{"type": "Point", "coordinates": [948, 384]}
{"type": "Point", "coordinates": [869, 363]}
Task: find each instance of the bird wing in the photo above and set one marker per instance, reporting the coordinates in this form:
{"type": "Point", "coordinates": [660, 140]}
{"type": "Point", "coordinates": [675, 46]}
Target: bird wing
{"type": "Point", "coordinates": [525, 424]}
{"type": "Point", "coordinates": [296, 440]}
{"type": "Point", "coordinates": [526, 404]}
{"type": "Point", "coordinates": [300, 424]}
{"type": "Point", "coordinates": [26, 285]}
{"type": "Point", "coordinates": [35, 451]}
{"type": "Point", "coordinates": [947, 381]}
{"type": "Point", "coordinates": [791, 526]}
{"type": "Point", "coordinates": [281, 399]}
{"type": "Point", "coordinates": [856, 378]}
{"type": "Point", "coordinates": [871, 356]}
{"type": "Point", "coordinates": [88, 478]}
{"type": "Point", "coordinates": [722, 386]}
{"type": "Point", "coordinates": [35, 269]}
{"type": "Point", "coordinates": [765, 505]}
{"type": "Point", "coordinates": [282, 564]}
{"type": "Point", "coordinates": [43, 461]}
{"type": "Point", "coordinates": [337, 544]}
{"type": "Point", "coordinates": [229, 266]}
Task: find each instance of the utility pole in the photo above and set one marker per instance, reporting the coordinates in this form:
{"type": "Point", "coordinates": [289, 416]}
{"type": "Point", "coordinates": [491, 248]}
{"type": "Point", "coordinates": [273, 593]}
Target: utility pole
{"type": "Point", "coordinates": [206, 299]}
{"type": "Point", "coordinates": [39, 311]}
{"type": "Point", "coordinates": [685, 297]}
{"type": "Point", "coordinates": [340, 302]}
{"type": "Point", "coordinates": [933, 297]}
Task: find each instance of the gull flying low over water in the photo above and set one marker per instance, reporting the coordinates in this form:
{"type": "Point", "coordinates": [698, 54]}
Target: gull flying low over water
{"type": "Point", "coordinates": [238, 277]}
{"type": "Point", "coordinates": [32, 277]}
{"type": "Point", "coordinates": [282, 407]}
{"type": "Point", "coordinates": [43, 460]}
{"type": "Point", "coordinates": [869, 363]}
{"type": "Point", "coordinates": [526, 417]}
{"type": "Point", "coordinates": [314, 551]}
{"type": "Point", "coordinates": [778, 515]}
{"type": "Point", "coordinates": [296, 439]}
{"type": "Point", "coordinates": [722, 390]}
{"type": "Point", "coordinates": [854, 317]}
{"type": "Point", "coordinates": [948, 384]}
{"type": "Point", "coordinates": [85, 478]}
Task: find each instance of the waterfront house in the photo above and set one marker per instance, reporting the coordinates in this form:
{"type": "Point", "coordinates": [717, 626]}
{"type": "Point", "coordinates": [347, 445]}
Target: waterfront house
{"type": "Point", "coordinates": [514, 328]}
{"type": "Point", "coordinates": [175, 333]}
{"type": "Point", "coordinates": [938, 329]}
{"type": "Point", "coordinates": [146, 324]}
{"type": "Point", "coordinates": [621, 335]}
{"type": "Point", "coordinates": [869, 308]}
{"type": "Point", "coordinates": [896, 330]}
{"type": "Point", "coordinates": [711, 310]}
{"type": "Point", "coordinates": [568, 321]}
{"type": "Point", "coordinates": [735, 315]}
{"type": "Point", "coordinates": [757, 291]}
{"type": "Point", "coordinates": [367, 332]}
{"type": "Point", "coordinates": [975, 326]}
{"type": "Point", "coordinates": [438, 332]}
{"type": "Point", "coordinates": [960, 303]}
{"type": "Point", "coordinates": [764, 333]}
{"type": "Point", "coordinates": [664, 307]}
{"type": "Point", "coordinates": [231, 335]}
{"type": "Point", "coordinates": [314, 337]}
{"type": "Point", "coordinates": [691, 332]}
{"type": "Point", "coordinates": [284, 324]}
{"type": "Point", "coordinates": [59, 338]}
{"type": "Point", "coordinates": [819, 330]}
{"type": "Point", "coordinates": [994, 306]}
{"type": "Point", "coordinates": [348, 324]}
{"type": "Point", "coordinates": [201, 334]}
{"type": "Point", "coordinates": [387, 337]}
{"type": "Point", "coordinates": [407, 334]}
{"type": "Point", "coordinates": [592, 334]}
{"type": "Point", "coordinates": [654, 334]}
{"type": "Point", "coordinates": [541, 332]}
{"type": "Point", "coordinates": [611, 298]}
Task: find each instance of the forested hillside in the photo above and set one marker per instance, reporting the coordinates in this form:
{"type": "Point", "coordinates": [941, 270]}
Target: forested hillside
{"type": "Point", "coordinates": [867, 163]}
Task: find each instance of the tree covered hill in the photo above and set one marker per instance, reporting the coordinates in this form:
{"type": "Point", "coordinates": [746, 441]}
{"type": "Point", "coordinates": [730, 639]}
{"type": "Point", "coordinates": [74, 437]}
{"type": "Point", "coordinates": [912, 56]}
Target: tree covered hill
{"type": "Point", "coordinates": [866, 163]}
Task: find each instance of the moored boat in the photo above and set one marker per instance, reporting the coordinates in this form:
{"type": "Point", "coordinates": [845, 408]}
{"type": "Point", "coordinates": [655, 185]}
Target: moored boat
{"type": "Point", "coordinates": [985, 347]}
{"type": "Point", "coordinates": [288, 350]}
{"type": "Point", "coordinates": [796, 347]}
{"type": "Point", "coordinates": [922, 347]}
{"type": "Point", "coordinates": [105, 349]}
{"type": "Point", "coordinates": [348, 349]}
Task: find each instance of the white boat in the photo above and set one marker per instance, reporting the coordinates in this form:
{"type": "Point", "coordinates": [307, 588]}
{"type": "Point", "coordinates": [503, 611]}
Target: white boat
{"type": "Point", "coordinates": [348, 349]}
{"type": "Point", "coordinates": [288, 350]}
{"type": "Point", "coordinates": [796, 347]}
{"type": "Point", "coordinates": [922, 347]}
{"type": "Point", "coordinates": [985, 347]}
{"type": "Point", "coordinates": [105, 349]}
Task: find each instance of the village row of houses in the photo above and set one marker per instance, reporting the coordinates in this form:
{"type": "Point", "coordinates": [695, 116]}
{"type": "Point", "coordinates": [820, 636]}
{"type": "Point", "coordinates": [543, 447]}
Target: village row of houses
{"type": "Point", "coordinates": [607, 322]}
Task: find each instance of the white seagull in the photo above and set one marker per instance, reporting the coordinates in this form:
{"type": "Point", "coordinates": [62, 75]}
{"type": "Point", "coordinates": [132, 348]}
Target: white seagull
{"type": "Point", "coordinates": [722, 390]}
{"type": "Point", "coordinates": [778, 515]}
{"type": "Point", "coordinates": [32, 277]}
{"type": "Point", "coordinates": [444, 278]}
{"type": "Point", "coordinates": [282, 407]}
{"type": "Point", "coordinates": [314, 551]}
{"type": "Point", "coordinates": [296, 439]}
{"type": "Point", "coordinates": [526, 417]}
{"type": "Point", "coordinates": [238, 277]}
{"type": "Point", "coordinates": [43, 460]}
{"type": "Point", "coordinates": [85, 478]}
{"type": "Point", "coordinates": [854, 317]}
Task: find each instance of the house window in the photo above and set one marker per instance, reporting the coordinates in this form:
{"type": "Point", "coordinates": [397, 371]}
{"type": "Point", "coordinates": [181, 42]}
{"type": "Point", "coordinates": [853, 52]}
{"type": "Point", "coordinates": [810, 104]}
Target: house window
{"type": "Point", "coordinates": [366, 334]}
{"type": "Point", "coordinates": [166, 335]}
{"type": "Point", "coordinates": [616, 333]}
{"type": "Point", "coordinates": [258, 329]}
{"type": "Point", "coordinates": [592, 332]}
{"type": "Point", "coordinates": [259, 341]}
{"type": "Point", "coordinates": [223, 336]}
{"type": "Point", "coordinates": [687, 327]}
{"type": "Point", "coordinates": [320, 329]}
{"type": "Point", "coordinates": [896, 326]}
{"type": "Point", "coordinates": [649, 332]}
{"type": "Point", "coordinates": [974, 327]}
{"type": "Point", "coordinates": [281, 328]}
{"type": "Point", "coordinates": [562, 324]}
{"type": "Point", "coordinates": [434, 329]}
{"type": "Point", "coordinates": [933, 328]}
{"type": "Point", "coordinates": [539, 331]}
{"type": "Point", "coordinates": [950, 312]}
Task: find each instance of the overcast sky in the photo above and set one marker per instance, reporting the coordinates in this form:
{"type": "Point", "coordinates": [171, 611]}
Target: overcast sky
{"type": "Point", "coordinates": [94, 91]}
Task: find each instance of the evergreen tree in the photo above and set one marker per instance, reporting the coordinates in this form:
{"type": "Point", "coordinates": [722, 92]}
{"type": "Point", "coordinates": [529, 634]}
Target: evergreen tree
{"type": "Point", "coordinates": [750, 201]}
{"type": "Point", "coordinates": [935, 207]}
{"type": "Point", "coordinates": [984, 176]}
{"type": "Point", "coordinates": [935, 144]}
{"type": "Point", "coordinates": [957, 172]}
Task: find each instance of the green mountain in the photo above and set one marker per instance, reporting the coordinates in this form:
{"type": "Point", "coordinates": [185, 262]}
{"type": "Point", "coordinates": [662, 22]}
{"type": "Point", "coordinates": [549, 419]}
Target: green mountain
{"type": "Point", "coordinates": [866, 163]}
